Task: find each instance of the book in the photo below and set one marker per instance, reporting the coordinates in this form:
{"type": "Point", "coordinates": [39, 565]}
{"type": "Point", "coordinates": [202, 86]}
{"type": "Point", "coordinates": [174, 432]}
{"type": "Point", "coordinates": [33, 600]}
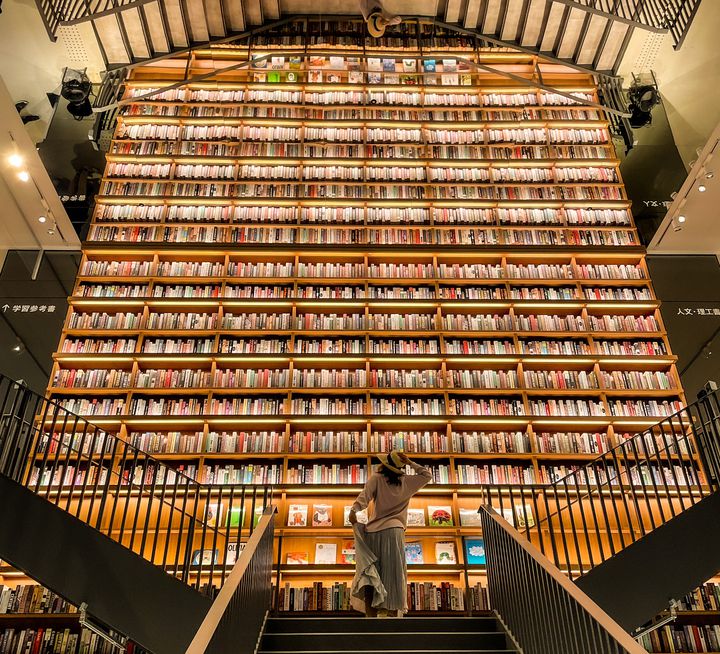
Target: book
{"type": "Point", "coordinates": [347, 554]}
{"type": "Point", "coordinates": [337, 63]}
{"type": "Point", "coordinates": [273, 77]}
{"type": "Point", "coordinates": [214, 514]}
{"type": "Point", "coordinates": [259, 77]}
{"type": "Point", "coordinates": [258, 514]}
{"type": "Point", "coordinates": [517, 516]}
{"type": "Point", "coordinates": [325, 553]}
{"type": "Point", "coordinates": [373, 63]}
{"type": "Point", "coordinates": [322, 515]}
{"type": "Point", "coordinates": [475, 551]}
{"type": "Point", "coordinates": [233, 551]}
{"type": "Point", "coordinates": [291, 76]}
{"type": "Point", "coordinates": [317, 61]}
{"type": "Point", "coordinates": [297, 558]}
{"type": "Point", "coordinates": [353, 63]}
{"type": "Point", "coordinates": [440, 516]}
{"type": "Point", "coordinates": [278, 63]}
{"type": "Point", "coordinates": [450, 79]}
{"type": "Point", "coordinates": [334, 78]}
{"type": "Point", "coordinates": [297, 515]}
{"type": "Point", "coordinates": [466, 79]}
{"type": "Point", "coordinates": [469, 518]}
{"type": "Point", "coordinates": [445, 552]}
{"type": "Point", "coordinates": [355, 77]}
{"type": "Point", "coordinates": [204, 557]}
{"type": "Point", "coordinates": [362, 516]}
{"type": "Point", "coordinates": [409, 65]}
{"type": "Point", "coordinates": [259, 61]}
{"type": "Point", "coordinates": [315, 76]}
{"type": "Point", "coordinates": [295, 63]}
{"type": "Point", "coordinates": [235, 516]}
{"type": "Point", "coordinates": [416, 518]}
{"type": "Point", "coordinates": [449, 65]}
{"type": "Point", "coordinates": [374, 78]}
{"type": "Point", "coordinates": [414, 553]}
{"type": "Point", "coordinates": [388, 65]}
{"type": "Point", "coordinates": [392, 78]}
{"type": "Point", "coordinates": [429, 65]}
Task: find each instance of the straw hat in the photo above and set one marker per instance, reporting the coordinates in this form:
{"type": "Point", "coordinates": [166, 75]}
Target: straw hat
{"type": "Point", "coordinates": [393, 462]}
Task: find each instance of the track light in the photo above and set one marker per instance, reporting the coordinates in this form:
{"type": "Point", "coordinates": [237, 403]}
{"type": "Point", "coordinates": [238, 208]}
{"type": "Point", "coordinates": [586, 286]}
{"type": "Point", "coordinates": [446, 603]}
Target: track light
{"type": "Point", "coordinates": [15, 160]}
{"type": "Point", "coordinates": [702, 188]}
{"type": "Point", "coordinates": [42, 219]}
{"type": "Point", "coordinates": [24, 176]}
{"type": "Point", "coordinates": [681, 219]}
{"type": "Point", "coordinates": [709, 175]}
{"type": "Point", "coordinates": [18, 347]}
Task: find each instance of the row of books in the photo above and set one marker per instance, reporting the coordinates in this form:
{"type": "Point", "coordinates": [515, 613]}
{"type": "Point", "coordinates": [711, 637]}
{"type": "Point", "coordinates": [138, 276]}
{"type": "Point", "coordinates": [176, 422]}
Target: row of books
{"type": "Point", "coordinates": [344, 442]}
{"type": "Point", "coordinates": [31, 598]}
{"type": "Point", "coordinates": [300, 345]}
{"type": "Point", "coordinates": [372, 290]}
{"type": "Point", "coordinates": [407, 406]}
{"type": "Point", "coordinates": [360, 215]}
{"type": "Point", "coordinates": [683, 638]}
{"type": "Point", "coordinates": [57, 640]}
{"type": "Point", "coordinates": [357, 268]}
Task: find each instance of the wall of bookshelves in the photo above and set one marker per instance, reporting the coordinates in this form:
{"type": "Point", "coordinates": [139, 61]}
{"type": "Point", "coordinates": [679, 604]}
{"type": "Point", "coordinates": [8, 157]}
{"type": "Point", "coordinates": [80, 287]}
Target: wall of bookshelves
{"type": "Point", "coordinates": [340, 246]}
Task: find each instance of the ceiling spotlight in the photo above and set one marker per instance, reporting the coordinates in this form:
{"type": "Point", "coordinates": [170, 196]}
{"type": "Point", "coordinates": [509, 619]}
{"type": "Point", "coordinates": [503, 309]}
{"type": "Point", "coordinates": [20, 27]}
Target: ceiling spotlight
{"type": "Point", "coordinates": [24, 176]}
{"type": "Point", "coordinates": [15, 160]}
{"type": "Point", "coordinates": [677, 228]}
{"type": "Point", "coordinates": [18, 347]}
{"type": "Point", "coordinates": [681, 219]}
{"type": "Point", "coordinates": [51, 231]}
{"type": "Point", "coordinates": [702, 188]}
{"type": "Point", "coordinates": [42, 219]}
{"type": "Point", "coordinates": [709, 175]}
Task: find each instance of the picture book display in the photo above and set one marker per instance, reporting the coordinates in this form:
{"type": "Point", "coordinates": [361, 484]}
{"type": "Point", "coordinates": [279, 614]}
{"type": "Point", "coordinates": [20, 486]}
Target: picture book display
{"type": "Point", "coordinates": [440, 516]}
{"type": "Point", "coordinates": [204, 557]}
{"type": "Point", "coordinates": [347, 554]}
{"type": "Point", "coordinates": [416, 517]}
{"type": "Point", "coordinates": [297, 558]}
{"type": "Point", "coordinates": [325, 553]}
{"type": "Point", "coordinates": [297, 515]}
{"type": "Point", "coordinates": [414, 553]}
{"type": "Point", "coordinates": [322, 515]}
{"type": "Point", "coordinates": [445, 553]}
{"type": "Point", "coordinates": [475, 551]}
{"type": "Point", "coordinates": [469, 518]}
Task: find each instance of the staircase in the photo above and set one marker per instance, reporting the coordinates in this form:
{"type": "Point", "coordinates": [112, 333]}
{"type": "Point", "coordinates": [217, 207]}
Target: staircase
{"type": "Point", "coordinates": [118, 520]}
{"type": "Point", "coordinates": [476, 635]}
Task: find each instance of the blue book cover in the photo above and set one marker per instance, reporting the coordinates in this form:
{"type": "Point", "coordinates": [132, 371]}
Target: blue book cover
{"type": "Point", "coordinates": [475, 551]}
{"type": "Point", "coordinates": [429, 65]}
{"type": "Point", "coordinates": [414, 553]}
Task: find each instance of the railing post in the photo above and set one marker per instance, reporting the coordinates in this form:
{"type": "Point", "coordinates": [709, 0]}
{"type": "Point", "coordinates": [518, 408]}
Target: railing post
{"type": "Point", "coordinates": [708, 435]}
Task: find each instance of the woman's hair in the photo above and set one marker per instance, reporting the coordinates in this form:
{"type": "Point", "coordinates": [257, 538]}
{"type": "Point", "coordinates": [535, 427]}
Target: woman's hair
{"type": "Point", "coordinates": [391, 477]}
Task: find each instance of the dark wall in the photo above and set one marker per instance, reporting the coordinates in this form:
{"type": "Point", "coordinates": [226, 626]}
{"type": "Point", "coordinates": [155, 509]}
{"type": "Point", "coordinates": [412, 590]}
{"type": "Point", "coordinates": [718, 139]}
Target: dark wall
{"type": "Point", "coordinates": [689, 287]}
{"type": "Point", "coordinates": [32, 312]}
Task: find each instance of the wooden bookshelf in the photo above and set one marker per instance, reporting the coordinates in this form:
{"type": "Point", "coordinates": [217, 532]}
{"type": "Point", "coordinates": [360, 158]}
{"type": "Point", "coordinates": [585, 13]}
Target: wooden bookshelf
{"type": "Point", "coordinates": [308, 260]}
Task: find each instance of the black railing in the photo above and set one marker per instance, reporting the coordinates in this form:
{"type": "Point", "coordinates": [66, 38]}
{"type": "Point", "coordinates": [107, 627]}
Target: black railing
{"type": "Point", "coordinates": [236, 618]}
{"type": "Point", "coordinates": [602, 507]}
{"type": "Point", "coordinates": [544, 611]}
{"type": "Point", "coordinates": [193, 531]}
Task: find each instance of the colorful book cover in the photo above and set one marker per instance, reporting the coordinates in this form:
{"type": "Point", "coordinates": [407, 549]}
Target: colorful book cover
{"type": "Point", "coordinates": [236, 516]}
{"type": "Point", "coordinates": [258, 514]}
{"type": "Point", "coordinates": [388, 65]}
{"type": "Point", "coordinates": [278, 63]}
{"type": "Point", "coordinates": [353, 63]}
{"type": "Point", "coordinates": [414, 553]}
{"type": "Point", "coordinates": [325, 553]}
{"type": "Point", "coordinates": [392, 78]}
{"type": "Point", "coordinates": [273, 77]}
{"type": "Point", "coordinates": [204, 557]}
{"type": "Point", "coordinates": [214, 514]}
{"type": "Point", "coordinates": [322, 515]}
{"type": "Point", "coordinates": [259, 77]}
{"type": "Point", "coordinates": [297, 515]}
{"type": "Point", "coordinates": [362, 516]}
{"type": "Point", "coordinates": [475, 551]}
{"type": "Point", "coordinates": [416, 518]}
{"type": "Point", "coordinates": [315, 76]}
{"type": "Point", "coordinates": [520, 516]}
{"type": "Point", "coordinates": [257, 62]}
{"type": "Point", "coordinates": [374, 78]}
{"type": "Point", "coordinates": [469, 518]}
{"type": "Point", "coordinates": [297, 558]}
{"type": "Point", "coordinates": [233, 551]}
{"type": "Point", "coordinates": [355, 77]}
{"type": "Point", "coordinates": [409, 65]}
{"type": "Point", "coordinates": [347, 554]}
{"type": "Point", "coordinates": [334, 78]}
{"type": "Point", "coordinates": [429, 65]}
{"type": "Point", "coordinates": [295, 63]}
{"type": "Point", "coordinates": [440, 516]}
{"type": "Point", "coordinates": [408, 80]}
{"type": "Point", "coordinates": [317, 62]}
{"type": "Point", "coordinates": [462, 65]}
{"type": "Point", "coordinates": [373, 63]}
{"type": "Point", "coordinates": [466, 79]}
{"type": "Point", "coordinates": [291, 76]}
{"type": "Point", "coordinates": [449, 65]}
{"type": "Point", "coordinates": [445, 553]}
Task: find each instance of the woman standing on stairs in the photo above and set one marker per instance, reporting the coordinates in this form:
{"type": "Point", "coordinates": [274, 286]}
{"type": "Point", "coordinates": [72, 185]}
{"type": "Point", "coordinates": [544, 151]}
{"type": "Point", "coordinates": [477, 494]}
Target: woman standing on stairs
{"type": "Point", "coordinates": [380, 568]}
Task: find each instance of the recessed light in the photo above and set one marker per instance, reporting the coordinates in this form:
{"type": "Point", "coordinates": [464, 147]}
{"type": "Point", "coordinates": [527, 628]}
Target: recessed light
{"type": "Point", "coordinates": [681, 219]}
{"type": "Point", "coordinates": [24, 176]}
{"type": "Point", "coordinates": [702, 188]}
{"type": "Point", "coordinates": [17, 348]}
{"type": "Point", "coordinates": [42, 219]}
{"type": "Point", "coordinates": [15, 160]}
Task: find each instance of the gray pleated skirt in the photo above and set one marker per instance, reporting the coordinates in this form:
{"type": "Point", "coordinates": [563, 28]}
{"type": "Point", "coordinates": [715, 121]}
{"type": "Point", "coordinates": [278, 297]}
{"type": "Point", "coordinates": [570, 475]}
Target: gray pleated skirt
{"type": "Point", "coordinates": [389, 547]}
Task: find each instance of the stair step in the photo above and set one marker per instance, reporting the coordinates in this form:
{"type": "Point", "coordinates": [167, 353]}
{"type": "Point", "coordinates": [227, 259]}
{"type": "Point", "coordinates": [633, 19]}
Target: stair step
{"type": "Point", "coordinates": [373, 641]}
{"type": "Point", "coordinates": [415, 624]}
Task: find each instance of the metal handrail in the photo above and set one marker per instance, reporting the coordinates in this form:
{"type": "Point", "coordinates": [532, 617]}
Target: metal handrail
{"type": "Point", "coordinates": [236, 618]}
{"type": "Point", "coordinates": [191, 530]}
{"type": "Point", "coordinates": [543, 610]}
{"type": "Point", "coordinates": [590, 514]}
